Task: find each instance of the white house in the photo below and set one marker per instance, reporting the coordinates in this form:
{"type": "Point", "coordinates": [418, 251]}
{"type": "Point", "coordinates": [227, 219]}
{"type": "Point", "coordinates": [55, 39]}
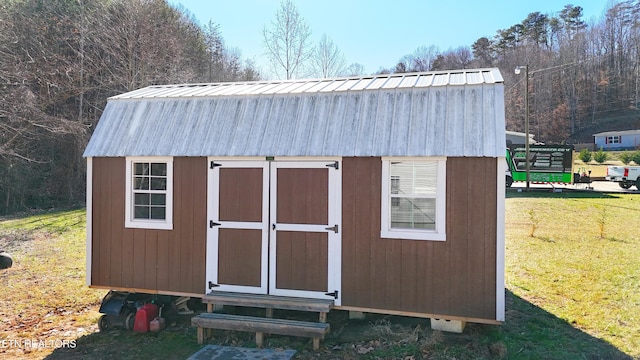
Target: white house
{"type": "Point", "coordinates": [618, 140]}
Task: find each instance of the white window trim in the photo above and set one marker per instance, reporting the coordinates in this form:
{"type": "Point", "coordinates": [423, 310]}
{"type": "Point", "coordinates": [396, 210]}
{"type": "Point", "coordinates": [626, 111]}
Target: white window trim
{"type": "Point", "coordinates": [441, 193]}
{"type": "Point", "coordinates": [129, 221]}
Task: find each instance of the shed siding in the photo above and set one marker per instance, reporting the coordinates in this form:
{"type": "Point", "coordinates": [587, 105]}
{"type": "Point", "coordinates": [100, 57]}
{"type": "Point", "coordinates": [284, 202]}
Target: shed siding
{"type": "Point", "coordinates": [163, 260]}
{"type": "Point", "coordinates": [456, 277]}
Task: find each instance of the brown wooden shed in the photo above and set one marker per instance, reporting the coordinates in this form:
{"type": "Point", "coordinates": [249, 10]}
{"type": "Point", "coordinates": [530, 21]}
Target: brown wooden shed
{"type": "Point", "coordinates": [383, 193]}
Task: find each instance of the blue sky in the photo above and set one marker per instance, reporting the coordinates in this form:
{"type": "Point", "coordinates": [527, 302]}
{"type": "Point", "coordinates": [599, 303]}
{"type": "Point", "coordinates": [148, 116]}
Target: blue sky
{"type": "Point", "coordinates": [377, 33]}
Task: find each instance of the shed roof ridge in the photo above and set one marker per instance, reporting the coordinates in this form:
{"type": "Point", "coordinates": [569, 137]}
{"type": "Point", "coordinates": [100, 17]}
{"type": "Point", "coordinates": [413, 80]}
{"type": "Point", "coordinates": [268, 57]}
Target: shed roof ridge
{"type": "Point", "coordinates": [304, 85]}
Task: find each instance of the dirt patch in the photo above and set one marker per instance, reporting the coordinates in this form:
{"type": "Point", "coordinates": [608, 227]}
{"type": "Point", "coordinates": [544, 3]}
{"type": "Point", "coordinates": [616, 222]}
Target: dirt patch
{"type": "Point", "coordinates": [376, 337]}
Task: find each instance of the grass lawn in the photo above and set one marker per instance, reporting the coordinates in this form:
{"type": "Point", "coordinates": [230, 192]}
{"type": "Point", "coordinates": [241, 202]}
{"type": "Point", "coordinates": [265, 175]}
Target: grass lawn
{"type": "Point", "coordinates": [577, 256]}
{"type": "Point", "coordinates": [572, 275]}
{"type": "Point", "coordinates": [43, 294]}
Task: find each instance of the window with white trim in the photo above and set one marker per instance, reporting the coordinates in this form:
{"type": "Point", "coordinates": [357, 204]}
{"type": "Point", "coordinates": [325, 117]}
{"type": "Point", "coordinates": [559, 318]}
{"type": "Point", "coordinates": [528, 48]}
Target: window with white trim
{"type": "Point", "coordinates": [413, 198]}
{"type": "Point", "coordinates": [613, 139]}
{"type": "Point", "coordinates": [149, 197]}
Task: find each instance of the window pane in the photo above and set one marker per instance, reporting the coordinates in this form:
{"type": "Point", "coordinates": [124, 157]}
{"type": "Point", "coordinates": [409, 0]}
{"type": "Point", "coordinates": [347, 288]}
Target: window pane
{"type": "Point", "coordinates": [141, 199]}
{"type": "Point", "coordinates": [158, 199]}
{"type": "Point", "coordinates": [414, 213]}
{"type": "Point", "coordinates": [141, 168]}
{"type": "Point", "coordinates": [395, 184]}
{"type": "Point", "coordinates": [148, 190]}
{"type": "Point", "coordinates": [141, 183]}
{"type": "Point", "coordinates": [414, 177]}
{"type": "Point", "coordinates": [158, 213]}
{"type": "Point", "coordinates": [141, 212]}
{"type": "Point", "coordinates": [159, 169]}
{"type": "Point", "coordinates": [158, 183]}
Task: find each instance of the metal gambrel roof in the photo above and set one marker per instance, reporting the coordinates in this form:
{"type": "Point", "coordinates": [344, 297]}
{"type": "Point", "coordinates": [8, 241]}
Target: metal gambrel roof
{"type": "Point", "coordinates": [454, 113]}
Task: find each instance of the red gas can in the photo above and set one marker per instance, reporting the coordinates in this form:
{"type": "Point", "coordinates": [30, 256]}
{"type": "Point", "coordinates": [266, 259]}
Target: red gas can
{"type": "Point", "coordinates": [144, 315]}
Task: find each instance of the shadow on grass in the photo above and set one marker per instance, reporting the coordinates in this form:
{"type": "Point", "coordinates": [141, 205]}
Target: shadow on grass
{"type": "Point", "coordinates": [177, 342]}
{"type": "Point", "coordinates": [544, 238]}
{"type": "Point", "coordinates": [531, 332]}
{"type": "Point", "coordinates": [54, 221]}
{"type": "Point", "coordinates": [528, 333]}
{"type": "Point", "coordinates": [565, 194]}
{"type": "Point", "coordinates": [616, 240]}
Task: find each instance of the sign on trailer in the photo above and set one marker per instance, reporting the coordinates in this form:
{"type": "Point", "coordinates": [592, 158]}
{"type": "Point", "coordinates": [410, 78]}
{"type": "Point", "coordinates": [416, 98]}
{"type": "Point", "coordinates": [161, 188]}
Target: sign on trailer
{"type": "Point", "coordinates": [547, 163]}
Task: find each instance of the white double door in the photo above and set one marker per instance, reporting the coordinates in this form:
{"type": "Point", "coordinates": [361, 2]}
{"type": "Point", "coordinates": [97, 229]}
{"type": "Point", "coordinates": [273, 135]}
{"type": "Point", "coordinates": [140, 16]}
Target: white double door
{"type": "Point", "coordinates": [275, 227]}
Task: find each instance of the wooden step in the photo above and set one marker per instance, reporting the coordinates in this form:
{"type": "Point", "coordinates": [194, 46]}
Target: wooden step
{"type": "Point", "coordinates": [260, 325]}
{"type": "Point", "coordinates": [268, 301]}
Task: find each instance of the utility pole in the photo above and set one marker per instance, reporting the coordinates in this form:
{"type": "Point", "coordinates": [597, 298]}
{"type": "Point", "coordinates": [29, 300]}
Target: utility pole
{"type": "Point", "coordinates": [526, 120]}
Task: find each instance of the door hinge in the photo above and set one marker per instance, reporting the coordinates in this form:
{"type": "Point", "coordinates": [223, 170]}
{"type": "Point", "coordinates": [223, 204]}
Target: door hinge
{"type": "Point", "coordinates": [213, 165]}
{"type": "Point", "coordinates": [334, 228]}
{"type": "Point", "coordinates": [334, 294]}
{"type": "Point", "coordinates": [212, 224]}
{"type": "Point", "coordinates": [212, 285]}
{"type": "Point", "coordinates": [335, 165]}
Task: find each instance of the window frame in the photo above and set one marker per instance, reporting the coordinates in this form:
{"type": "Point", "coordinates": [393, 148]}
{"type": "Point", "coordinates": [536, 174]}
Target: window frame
{"type": "Point", "coordinates": [129, 220]}
{"type": "Point", "coordinates": [439, 233]}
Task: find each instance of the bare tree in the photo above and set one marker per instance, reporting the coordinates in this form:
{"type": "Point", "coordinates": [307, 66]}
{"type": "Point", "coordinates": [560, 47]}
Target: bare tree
{"type": "Point", "coordinates": [458, 58]}
{"type": "Point", "coordinates": [355, 69]}
{"type": "Point", "coordinates": [327, 60]}
{"type": "Point", "coordinates": [423, 57]}
{"type": "Point", "coordinates": [59, 62]}
{"type": "Point", "coordinates": [419, 60]}
{"type": "Point", "coordinates": [463, 55]}
{"type": "Point", "coordinates": [287, 41]}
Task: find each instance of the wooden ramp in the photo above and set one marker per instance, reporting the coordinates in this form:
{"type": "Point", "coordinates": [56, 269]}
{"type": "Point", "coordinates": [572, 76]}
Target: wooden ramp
{"type": "Point", "coordinates": [267, 324]}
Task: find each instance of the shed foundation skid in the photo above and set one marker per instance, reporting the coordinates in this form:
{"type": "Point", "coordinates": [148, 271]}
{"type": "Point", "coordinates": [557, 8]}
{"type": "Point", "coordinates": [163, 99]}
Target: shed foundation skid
{"type": "Point", "coordinates": [267, 324]}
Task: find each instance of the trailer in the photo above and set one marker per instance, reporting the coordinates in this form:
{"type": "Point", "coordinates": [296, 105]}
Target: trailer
{"type": "Point", "coordinates": [548, 164]}
{"type": "Point", "coordinates": [625, 176]}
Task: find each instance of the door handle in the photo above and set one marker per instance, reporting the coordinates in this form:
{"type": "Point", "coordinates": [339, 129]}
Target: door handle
{"type": "Point", "coordinates": [273, 226]}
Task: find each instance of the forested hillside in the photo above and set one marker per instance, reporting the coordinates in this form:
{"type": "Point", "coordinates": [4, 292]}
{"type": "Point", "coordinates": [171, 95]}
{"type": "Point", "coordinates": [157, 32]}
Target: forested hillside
{"type": "Point", "coordinates": [581, 75]}
{"type": "Point", "coordinates": [61, 59]}
{"type": "Point", "coordinates": [59, 62]}
{"type": "Point", "coordinates": [584, 77]}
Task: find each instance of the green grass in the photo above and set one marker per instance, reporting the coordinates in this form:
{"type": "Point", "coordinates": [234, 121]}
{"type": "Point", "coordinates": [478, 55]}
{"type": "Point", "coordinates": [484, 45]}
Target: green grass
{"type": "Point", "coordinates": [568, 269]}
{"type": "Point", "coordinates": [573, 292]}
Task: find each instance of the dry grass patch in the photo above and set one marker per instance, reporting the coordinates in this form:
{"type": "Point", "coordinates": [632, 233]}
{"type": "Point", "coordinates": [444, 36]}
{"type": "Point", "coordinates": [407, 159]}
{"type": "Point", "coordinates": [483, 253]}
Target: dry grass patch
{"type": "Point", "coordinates": [45, 299]}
